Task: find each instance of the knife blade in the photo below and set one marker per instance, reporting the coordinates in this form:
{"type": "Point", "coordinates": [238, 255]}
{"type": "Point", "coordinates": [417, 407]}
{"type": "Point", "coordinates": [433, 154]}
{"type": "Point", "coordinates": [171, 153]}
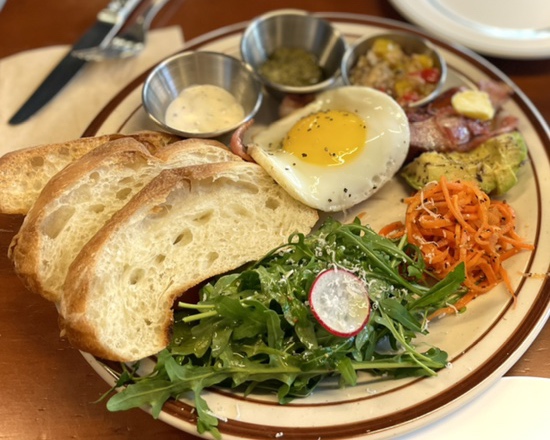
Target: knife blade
{"type": "Point", "coordinates": [109, 21]}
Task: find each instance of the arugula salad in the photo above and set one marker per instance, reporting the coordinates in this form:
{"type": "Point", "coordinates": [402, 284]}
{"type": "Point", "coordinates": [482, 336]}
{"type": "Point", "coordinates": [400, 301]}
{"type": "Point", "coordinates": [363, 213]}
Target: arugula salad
{"type": "Point", "coordinates": [254, 329]}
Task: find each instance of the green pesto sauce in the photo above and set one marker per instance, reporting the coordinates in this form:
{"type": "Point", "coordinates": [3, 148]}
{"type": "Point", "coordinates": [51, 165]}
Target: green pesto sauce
{"type": "Point", "coordinates": [292, 67]}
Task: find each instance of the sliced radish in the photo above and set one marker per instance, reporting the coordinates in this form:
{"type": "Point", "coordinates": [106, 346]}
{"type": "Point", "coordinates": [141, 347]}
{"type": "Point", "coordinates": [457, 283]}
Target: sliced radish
{"type": "Point", "coordinates": [340, 302]}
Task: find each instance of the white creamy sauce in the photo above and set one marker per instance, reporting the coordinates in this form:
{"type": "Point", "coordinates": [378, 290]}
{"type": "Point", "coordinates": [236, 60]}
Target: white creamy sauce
{"type": "Point", "coordinates": [204, 109]}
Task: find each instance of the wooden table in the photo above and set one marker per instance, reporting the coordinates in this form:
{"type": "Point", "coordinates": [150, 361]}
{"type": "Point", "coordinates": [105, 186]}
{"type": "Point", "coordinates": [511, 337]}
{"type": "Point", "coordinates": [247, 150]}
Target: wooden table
{"type": "Point", "coordinates": [47, 387]}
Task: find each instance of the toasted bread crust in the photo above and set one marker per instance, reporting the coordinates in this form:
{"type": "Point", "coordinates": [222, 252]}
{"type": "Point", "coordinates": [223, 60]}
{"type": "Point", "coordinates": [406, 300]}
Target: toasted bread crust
{"type": "Point", "coordinates": [63, 217]}
{"type": "Point", "coordinates": [84, 336]}
{"type": "Point", "coordinates": [120, 268]}
{"type": "Point", "coordinates": [26, 248]}
{"type": "Point", "coordinates": [127, 226]}
{"type": "Point", "coordinates": [154, 141]}
{"type": "Point", "coordinates": [23, 173]}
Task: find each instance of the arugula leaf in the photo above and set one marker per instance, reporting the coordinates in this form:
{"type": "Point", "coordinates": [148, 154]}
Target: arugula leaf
{"type": "Point", "coordinates": [399, 313]}
{"type": "Point", "coordinates": [446, 291]}
{"type": "Point", "coordinates": [348, 375]}
{"type": "Point", "coordinates": [153, 392]}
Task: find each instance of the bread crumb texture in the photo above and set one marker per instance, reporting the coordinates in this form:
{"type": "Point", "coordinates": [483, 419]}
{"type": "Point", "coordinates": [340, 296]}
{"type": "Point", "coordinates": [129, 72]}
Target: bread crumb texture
{"type": "Point", "coordinates": [212, 219]}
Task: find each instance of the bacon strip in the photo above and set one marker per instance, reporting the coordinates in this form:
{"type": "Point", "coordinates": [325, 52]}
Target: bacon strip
{"type": "Point", "coordinates": [291, 103]}
{"type": "Point", "coordinates": [237, 145]}
{"type": "Point", "coordinates": [438, 127]}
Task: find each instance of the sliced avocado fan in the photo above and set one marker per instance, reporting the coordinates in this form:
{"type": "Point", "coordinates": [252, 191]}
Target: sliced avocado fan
{"type": "Point", "coordinates": [493, 165]}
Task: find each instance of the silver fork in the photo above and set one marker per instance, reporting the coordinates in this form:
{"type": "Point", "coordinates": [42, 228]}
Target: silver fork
{"type": "Point", "coordinates": [129, 42]}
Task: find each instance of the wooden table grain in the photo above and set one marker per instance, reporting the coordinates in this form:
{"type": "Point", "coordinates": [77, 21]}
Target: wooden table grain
{"type": "Point", "coordinates": [47, 389]}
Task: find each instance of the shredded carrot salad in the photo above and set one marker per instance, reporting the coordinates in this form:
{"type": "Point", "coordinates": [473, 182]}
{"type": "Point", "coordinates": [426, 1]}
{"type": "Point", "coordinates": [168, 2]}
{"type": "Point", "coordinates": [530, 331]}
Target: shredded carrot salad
{"type": "Point", "coordinates": [454, 222]}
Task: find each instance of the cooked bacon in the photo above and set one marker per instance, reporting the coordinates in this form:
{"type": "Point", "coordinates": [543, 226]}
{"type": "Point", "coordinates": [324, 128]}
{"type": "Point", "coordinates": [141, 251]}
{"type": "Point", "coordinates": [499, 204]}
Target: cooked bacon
{"type": "Point", "coordinates": [457, 133]}
{"type": "Point", "coordinates": [443, 101]}
{"type": "Point", "coordinates": [499, 92]}
{"type": "Point", "coordinates": [237, 145]}
{"type": "Point", "coordinates": [437, 126]}
{"type": "Point", "coordinates": [291, 103]}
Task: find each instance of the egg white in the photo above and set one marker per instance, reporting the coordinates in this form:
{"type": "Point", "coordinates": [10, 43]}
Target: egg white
{"type": "Point", "coordinates": [337, 188]}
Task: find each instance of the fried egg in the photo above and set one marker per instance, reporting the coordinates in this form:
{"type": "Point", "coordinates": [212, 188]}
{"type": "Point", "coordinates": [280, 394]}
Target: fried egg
{"type": "Point", "coordinates": [338, 150]}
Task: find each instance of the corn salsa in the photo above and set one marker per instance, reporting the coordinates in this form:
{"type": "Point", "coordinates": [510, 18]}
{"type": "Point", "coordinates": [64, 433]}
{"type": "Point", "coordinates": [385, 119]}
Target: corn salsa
{"type": "Point", "coordinates": [405, 77]}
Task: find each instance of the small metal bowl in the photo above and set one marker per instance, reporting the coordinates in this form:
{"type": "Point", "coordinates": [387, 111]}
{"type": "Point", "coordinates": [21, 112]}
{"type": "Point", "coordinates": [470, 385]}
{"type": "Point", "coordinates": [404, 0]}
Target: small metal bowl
{"type": "Point", "coordinates": [167, 80]}
{"type": "Point", "coordinates": [410, 44]}
{"type": "Point", "coordinates": [293, 29]}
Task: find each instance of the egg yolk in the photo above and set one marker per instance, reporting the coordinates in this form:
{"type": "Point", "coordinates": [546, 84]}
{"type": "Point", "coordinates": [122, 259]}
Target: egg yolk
{"type": "Point", "coordinates": [327, 138]}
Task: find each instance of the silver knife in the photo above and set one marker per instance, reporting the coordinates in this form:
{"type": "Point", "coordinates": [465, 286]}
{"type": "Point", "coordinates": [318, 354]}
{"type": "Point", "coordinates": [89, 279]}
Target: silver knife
{"type": "Point", "coordinates": [109, 21]}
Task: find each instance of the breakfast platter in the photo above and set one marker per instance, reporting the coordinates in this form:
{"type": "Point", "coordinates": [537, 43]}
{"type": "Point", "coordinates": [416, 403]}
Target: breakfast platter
{"type": "Point", "coordinates": [482, 344]}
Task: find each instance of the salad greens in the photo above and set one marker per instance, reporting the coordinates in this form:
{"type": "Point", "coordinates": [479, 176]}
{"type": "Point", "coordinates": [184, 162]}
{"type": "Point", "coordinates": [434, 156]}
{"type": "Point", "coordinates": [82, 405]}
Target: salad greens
{"type": "Point", "coordinates": [254, 329]}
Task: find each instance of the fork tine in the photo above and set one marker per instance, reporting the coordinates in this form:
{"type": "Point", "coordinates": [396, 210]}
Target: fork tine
{"type": "Point", "coordinates": [128, 43]}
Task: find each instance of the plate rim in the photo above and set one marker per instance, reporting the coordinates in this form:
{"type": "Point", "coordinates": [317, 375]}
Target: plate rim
{"type": "Point", "coordinates": [510, 351]}
{"type": "Point", "coordinates": [424, 13]}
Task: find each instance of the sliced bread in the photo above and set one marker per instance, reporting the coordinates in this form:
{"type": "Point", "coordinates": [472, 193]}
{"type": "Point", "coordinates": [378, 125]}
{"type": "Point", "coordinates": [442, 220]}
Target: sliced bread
{"type": "Point", "coordinates": [79, 199]}
{"type": "Point", "coordinates": [187, 225]}
{"type": "Point", "coordinates": [154, 141]}
{"type": "Point", "coordinates": [23, 173]}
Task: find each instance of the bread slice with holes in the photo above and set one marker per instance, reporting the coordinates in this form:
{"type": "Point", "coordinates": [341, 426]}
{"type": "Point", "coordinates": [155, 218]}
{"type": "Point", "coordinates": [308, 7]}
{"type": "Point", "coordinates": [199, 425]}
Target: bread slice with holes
{"type": "Point", "coordinates": [187, 225]}
{"type": "Point", "coordinates": [23, 173]}
{"type": "Point", "coordinates": [78, 200]}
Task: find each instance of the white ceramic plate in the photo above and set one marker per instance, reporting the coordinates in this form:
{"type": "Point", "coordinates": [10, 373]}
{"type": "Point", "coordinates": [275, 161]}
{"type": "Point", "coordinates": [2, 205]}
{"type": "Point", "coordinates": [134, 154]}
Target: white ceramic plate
{"type": "Point", "coordinates": [507, 29]}
{"type": "Point", "coordinates": [482, 343]}
{"type": "Point", "coordinates": [495, 414]}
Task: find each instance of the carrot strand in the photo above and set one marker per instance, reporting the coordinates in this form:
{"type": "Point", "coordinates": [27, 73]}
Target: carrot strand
{"type": "Point", "coordinates": [455, 222]}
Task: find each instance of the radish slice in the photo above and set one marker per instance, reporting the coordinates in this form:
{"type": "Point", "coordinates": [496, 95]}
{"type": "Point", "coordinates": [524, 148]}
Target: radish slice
{"type": "Point", "coordinates": [340, 302]}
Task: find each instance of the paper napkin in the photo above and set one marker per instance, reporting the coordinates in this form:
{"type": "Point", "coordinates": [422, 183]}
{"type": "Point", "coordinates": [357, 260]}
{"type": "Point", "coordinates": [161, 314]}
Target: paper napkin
{"type": "Point", "coordinates": [70, 112]}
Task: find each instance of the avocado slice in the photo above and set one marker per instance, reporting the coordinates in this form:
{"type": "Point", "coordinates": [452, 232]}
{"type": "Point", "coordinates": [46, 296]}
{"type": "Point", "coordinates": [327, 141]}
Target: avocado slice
{"type": "Point", "coordinates": [493, 164]}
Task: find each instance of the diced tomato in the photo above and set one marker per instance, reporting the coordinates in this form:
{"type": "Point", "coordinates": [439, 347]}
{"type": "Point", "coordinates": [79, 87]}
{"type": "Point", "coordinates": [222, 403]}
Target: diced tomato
{"type": "Point", "coordinates": [410, 96]}
{"type": "Point", "coordinates": [431, 75]}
